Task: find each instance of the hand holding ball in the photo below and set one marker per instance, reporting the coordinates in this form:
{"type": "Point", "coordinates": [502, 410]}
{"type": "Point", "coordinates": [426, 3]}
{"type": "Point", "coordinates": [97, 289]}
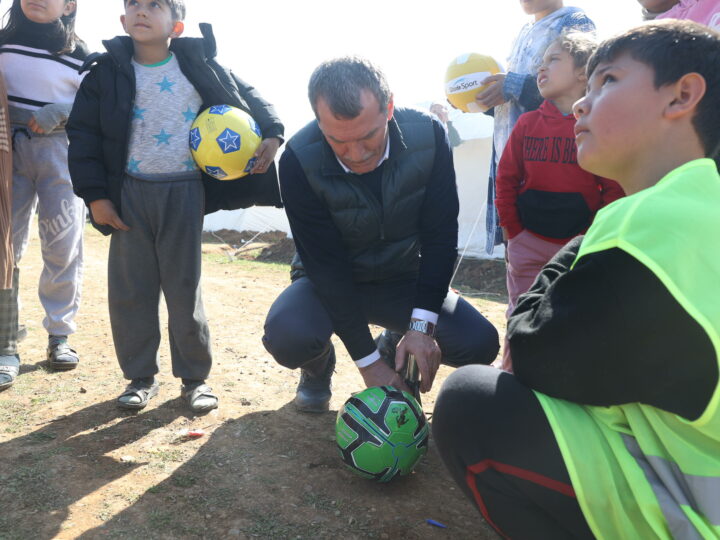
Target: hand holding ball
{"type": "Point", "coordinates": [381, 433]}
{"type": "Point", "coordinates": [223, 141]}
{"type": "Point", "coordinates": [464, 77]}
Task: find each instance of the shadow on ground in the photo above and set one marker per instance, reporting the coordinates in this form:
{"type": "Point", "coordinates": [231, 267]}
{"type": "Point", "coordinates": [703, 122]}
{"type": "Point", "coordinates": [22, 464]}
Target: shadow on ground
{"type": "Point", "coordinates": [248, 480]}
{"type": "Point", "coordinates": [46, 471]}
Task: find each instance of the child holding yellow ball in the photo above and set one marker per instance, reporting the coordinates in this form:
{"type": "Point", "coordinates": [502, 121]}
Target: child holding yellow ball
{"type": "Point", "coordinates": [130, 161]}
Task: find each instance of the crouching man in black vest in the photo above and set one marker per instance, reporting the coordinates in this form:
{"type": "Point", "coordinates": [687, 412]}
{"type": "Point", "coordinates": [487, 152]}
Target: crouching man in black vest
{"type": "Point", "coordinates": [369, 190]}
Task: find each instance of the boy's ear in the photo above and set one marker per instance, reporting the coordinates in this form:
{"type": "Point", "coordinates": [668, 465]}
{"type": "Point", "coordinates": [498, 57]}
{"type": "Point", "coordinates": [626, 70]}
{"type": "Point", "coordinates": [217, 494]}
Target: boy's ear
{"type": "Point", "coordinates": [582, 75]}
{"type": "Point", "coordinates": [122, 21]}
{"type": "Point", "coordinates": [686, 93]}
{"type": "Point", "coordinates": [178, 29]}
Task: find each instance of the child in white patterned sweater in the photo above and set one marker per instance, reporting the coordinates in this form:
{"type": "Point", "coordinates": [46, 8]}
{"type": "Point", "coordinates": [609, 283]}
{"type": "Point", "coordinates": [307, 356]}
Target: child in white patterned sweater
{"type": "Point", "coordinates": [40, 58]}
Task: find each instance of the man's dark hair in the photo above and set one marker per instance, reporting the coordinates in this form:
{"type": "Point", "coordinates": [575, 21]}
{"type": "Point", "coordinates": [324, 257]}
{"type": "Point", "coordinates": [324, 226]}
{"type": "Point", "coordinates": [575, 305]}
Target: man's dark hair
{"type": "Point", "coordinates": [673, 49]}
{"type": "Point", "coordinates": [340, 81]}
{"type": "Point", "coordinates": [177, 8]}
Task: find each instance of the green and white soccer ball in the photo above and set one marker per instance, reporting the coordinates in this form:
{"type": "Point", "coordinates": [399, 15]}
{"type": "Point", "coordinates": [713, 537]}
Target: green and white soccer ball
{"type": "Point", "coordinates": [381, 433]}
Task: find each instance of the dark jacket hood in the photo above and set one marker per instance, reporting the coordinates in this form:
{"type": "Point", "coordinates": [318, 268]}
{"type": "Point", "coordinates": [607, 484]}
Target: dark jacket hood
{"type": "Point", "coordinates": [121, 50]}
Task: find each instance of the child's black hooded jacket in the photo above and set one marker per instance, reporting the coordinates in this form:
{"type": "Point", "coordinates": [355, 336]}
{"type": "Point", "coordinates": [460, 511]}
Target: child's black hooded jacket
{"type": "Point", "coordinates": [99, 125]}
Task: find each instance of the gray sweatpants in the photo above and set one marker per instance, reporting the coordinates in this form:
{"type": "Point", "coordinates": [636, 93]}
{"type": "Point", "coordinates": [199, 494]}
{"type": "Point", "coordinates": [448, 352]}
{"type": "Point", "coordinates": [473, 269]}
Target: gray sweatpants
{"type": "Point", "coordinates": [41, 180]}
{"type": "Point", "coordinates": [160, 252]}
{"type": "Point", "coordinates": [9, 318]}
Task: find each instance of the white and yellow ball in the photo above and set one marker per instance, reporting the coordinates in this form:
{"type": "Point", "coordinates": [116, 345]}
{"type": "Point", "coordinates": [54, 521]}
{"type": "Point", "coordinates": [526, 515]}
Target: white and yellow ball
{"type": "Point", "coordinates": [464, 77]}
{"type": "Point", "coordinates": [223, 140]}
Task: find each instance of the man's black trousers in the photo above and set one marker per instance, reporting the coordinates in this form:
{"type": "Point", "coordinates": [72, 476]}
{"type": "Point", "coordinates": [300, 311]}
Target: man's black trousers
{"type": "Point", "coordinates": [298, 328]}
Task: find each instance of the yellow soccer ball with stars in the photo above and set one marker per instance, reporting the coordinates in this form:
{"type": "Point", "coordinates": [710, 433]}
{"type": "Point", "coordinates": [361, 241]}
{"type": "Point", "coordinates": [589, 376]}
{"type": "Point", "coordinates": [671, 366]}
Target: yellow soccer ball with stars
{"type": "Point", "coordinates": [223, 140]}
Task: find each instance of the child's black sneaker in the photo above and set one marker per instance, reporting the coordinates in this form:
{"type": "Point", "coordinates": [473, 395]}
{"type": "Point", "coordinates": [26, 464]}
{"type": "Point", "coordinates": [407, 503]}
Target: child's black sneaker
{"type": "Point", "coordinates": [59, 354]}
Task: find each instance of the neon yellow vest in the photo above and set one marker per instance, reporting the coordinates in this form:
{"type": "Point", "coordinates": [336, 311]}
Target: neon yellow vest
{"type": "Point", "coordinates": [640, 472]}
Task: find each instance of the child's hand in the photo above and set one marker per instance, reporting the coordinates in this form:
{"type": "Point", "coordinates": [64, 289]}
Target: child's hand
{"type": "Point", "coordinates": [493, 95]}
{"type": "Point", "coordinates": [265, 155]}
{"type": "Point", "coordinates": [49, 117]}
{"type": "Point", "coordinates": [34, 127]}
{"type": "Point", "coordinates": [104, 213]}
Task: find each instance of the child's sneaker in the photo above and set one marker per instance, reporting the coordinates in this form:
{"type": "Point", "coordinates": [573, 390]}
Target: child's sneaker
{"type": "Point", "coordinates": [137, 394]}
{"type": "Point", "coordinates": [199, 396]}
{"type": "Point", "coordinates": [60, 355]}
{"type": "Point", "coordinates": [9, 369]}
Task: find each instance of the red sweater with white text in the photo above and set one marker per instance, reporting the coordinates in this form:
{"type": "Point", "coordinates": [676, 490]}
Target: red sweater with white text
{"type": "Point", "coordinates": [540, 186]}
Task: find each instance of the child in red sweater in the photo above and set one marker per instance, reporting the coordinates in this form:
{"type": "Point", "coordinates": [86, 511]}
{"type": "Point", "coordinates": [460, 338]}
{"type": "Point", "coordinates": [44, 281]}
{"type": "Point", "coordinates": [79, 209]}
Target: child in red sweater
{"type": "Point", "coordinates": [543, 197]}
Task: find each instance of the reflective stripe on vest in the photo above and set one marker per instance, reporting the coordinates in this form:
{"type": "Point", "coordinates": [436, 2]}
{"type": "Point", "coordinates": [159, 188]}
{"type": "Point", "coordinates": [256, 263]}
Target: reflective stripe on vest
{"type": "Point", "coordinates": [674, 489]}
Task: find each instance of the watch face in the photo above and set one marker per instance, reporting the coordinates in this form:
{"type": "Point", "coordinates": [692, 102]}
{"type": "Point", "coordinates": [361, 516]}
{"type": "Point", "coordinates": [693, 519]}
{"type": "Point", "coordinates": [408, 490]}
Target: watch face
{"type": "Point", "coordinates": [420, 326]}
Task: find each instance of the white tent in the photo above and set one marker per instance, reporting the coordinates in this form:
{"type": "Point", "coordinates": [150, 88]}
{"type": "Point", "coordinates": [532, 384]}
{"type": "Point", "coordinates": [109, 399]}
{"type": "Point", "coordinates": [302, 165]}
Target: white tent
{"type": "Point", "coordinates": [472, 163]}
{"type": "Point", "coordinates": [259, 219]}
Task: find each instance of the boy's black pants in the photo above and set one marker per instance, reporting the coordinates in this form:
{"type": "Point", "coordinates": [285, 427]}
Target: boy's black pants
{"type": "Point", "coordinates": [497, 443]}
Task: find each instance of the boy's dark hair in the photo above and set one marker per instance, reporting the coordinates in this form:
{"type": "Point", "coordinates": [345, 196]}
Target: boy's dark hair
{"type": "Point", "coordinates": [672, 49]}
{"type": "Point", "coordinates": [177, 8]}
{"type": "Point", "coordinates": [14, 17]}
{"type": "Point", "coordinates": [340, 81]}
{"type": "Point", "coordinates": [579, 45]}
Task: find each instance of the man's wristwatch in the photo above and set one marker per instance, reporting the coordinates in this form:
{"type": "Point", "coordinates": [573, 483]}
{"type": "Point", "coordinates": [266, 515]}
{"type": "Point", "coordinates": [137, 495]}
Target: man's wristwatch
{"type": "Point", "coordinates": [424, 327]}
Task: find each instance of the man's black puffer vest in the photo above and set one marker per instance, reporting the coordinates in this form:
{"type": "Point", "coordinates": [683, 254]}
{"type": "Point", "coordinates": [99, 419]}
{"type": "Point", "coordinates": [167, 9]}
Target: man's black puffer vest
{"type": "Point", "coordinates": [382, 241]}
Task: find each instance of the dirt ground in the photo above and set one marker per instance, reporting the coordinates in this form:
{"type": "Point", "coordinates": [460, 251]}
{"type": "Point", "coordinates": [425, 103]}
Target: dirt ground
{"type": "Point", "coordinates": [75, 466]}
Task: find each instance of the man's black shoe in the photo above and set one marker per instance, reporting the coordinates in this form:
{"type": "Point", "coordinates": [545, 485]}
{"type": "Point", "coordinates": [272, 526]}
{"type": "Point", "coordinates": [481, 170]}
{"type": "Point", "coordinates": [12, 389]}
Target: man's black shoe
{"type": "Point", "coordinates": [313, 393]}
{"type": "Point", "coordinates": [387, 343]}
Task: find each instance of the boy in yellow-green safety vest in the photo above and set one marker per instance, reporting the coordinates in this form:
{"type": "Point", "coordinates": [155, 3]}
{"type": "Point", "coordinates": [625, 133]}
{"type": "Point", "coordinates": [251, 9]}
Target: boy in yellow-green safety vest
{"type": "Point", "coordinates": [610, 426]}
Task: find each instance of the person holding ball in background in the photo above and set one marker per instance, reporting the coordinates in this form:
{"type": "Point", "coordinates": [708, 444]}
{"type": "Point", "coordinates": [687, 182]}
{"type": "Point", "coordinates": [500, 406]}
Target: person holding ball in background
{"type": "Point", "coordinates": [515, 92]}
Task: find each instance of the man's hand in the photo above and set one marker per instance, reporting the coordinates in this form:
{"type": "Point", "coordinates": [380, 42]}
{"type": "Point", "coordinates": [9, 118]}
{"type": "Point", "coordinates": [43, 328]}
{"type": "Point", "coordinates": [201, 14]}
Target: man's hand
{"type": "Point", "coordinates": [380, 374]}
{"type": "Point", "coordinates": [493, 95]}
{"type": "Point", "coordinates": [104, 213]}
{"type": "Point", "coordinates": [265, 155]}
{"type": "Point", "coordinates": [427, 355]}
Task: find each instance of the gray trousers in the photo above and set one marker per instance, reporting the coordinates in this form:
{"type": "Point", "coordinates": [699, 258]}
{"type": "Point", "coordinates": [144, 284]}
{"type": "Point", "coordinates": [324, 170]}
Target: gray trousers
{"type": "Point", "coordinates": [160, 252]}
{"type": "Point", "coordinates": [41, 180]}
{"type": "Point", "coordinates": [298, 328]}
{"type": "Point", "coordinates": [9, 318]}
